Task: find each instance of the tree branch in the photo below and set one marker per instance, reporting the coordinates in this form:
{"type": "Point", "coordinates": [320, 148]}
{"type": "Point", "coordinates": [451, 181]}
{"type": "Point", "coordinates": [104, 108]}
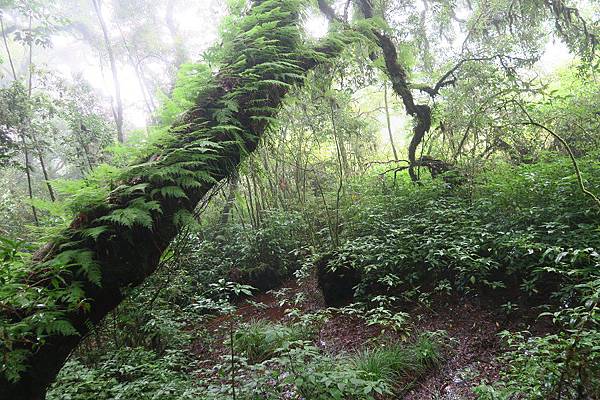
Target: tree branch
{"type": "Point", "coordinates": [532, 122]}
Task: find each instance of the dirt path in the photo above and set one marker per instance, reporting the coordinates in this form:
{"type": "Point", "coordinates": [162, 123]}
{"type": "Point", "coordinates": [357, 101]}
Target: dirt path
{"type": "Point", "coordinates": [474, 345]}
{"type": "Point", "coordinates": [472, 331]}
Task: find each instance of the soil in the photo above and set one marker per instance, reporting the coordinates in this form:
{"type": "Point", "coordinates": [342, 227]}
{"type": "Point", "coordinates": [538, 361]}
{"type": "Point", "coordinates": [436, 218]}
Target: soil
{"type": "Point", "coordinates": [471, 356]}
{"type": "Point", "coordinates": [472, 331]}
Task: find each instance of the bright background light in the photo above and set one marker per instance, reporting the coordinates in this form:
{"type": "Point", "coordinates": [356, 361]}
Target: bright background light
{"type": "Point", "coordinates": [316, 25]}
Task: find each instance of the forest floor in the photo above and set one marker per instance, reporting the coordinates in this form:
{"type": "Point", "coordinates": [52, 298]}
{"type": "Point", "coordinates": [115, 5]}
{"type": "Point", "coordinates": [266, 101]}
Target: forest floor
{"type": "Point", "coordinates": [469, 359]}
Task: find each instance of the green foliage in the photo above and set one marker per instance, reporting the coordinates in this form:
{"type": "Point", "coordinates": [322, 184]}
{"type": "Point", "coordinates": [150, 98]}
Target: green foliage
{"type": "Point", "coordinates": [324, 377]}
{"type": "Point", "coordinates": [454, 240]}
{"type": "Point", "coordinates": [46, 306]}
{"type": "Point", "coordinates": [139, 213]}
{"type": "Point", "coordinates": [561, 364]}
{"type": "Point", "coordinates": [191, 79]}
{"type": "Point", "coordinates": [261, 257]}
{"type": "Point", "coordinates": [541, 251]}
{"type": "Point", "coordinates": [366, 375]}
{"type": "Point", "coordinates": [381, 311]}
{"type": "Point", "coordinates": [521, 234]}
{"type": "Point", "coordinates": [258, 341]}
{"type": "Point", "coordinates": [130, 373]}
{"type": "Point", "coordinates": [261, 61]}
{"type": "Point", "coordinates": [299, 370]}
{"type": "Point", "coordinates": [568, 108]}
{"type": "Point", "coordinates": [396, 362]}
{"type": "Point", "coordinates": [14, 111]}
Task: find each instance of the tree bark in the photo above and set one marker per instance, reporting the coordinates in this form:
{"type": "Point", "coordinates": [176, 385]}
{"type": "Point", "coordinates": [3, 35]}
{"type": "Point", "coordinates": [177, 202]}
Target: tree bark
{"type": "Point", "coordinates": [113, 67]}
{"type": "Point", "coordinates": [399, 77]}
{"type": "Point", "coordinates": [127, 255]}
{"type": "Point", "coordinates": [387, 118]}
{"type": "Point", "coordinates": [230, 201]}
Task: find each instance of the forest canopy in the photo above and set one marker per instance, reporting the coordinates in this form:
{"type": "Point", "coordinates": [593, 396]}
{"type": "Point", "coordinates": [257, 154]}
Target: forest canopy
{"type": "Point", "coordinates": [299, 199]}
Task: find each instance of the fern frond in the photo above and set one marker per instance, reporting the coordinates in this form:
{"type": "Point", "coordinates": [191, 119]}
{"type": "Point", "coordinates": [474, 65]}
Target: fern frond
{"type": "Point", "coordinates": [174, 192]}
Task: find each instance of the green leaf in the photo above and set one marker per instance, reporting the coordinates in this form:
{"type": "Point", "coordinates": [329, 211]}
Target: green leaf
{"type": "Point", "coordinates": [94, 232]}
{"type": "Point", "coordinates": [174, 192]}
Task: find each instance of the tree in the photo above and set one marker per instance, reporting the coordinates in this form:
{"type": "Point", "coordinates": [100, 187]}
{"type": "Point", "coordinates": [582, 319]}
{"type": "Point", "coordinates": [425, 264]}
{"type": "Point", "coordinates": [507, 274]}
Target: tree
{"type": "Point", "coordinates": [127, 218]}
{"type": "Point", "coordinates": [495, 35]}
{"type": "Point", "coordinates": [117, 240]}
{"type": "Point", "coordinates": [118, 110]}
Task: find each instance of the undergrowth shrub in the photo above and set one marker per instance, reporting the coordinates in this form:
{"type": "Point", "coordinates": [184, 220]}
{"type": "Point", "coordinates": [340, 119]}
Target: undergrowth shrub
{"type": "Point", "coordinates": [524, 235]}
{"type": "Point", "coordinates": [259, 340]}
{"type": "Point", "coordinates": [132, 373]}
{"type": "Point", "coordinates": [560, 365]}
{"type": "Point", "coordinates": [260, 257]}
{"type": "Point", "coordinates": [299, 369]}
{"type": "Point", "coordinates": [524, 232]}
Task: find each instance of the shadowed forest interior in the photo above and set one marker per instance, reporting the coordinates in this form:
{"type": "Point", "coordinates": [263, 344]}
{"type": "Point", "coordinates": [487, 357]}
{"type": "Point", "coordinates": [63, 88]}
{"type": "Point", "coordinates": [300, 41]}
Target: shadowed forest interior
{"type": "Point", "coordinates": [299, 199]}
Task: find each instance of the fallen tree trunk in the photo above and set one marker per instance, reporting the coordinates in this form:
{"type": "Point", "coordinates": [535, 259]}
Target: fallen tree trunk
{"type": "Point", "coordinates": [118, 242]}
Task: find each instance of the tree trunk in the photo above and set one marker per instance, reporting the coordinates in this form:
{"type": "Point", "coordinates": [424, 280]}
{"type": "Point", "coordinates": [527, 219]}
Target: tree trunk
{"type": "Point", "coordinates": [127, 254]}
{"type": "Point", "coordinates": [21, 133]}
{"type": "Point", "coordinates": [10, 61]}
{"type": "Point", "coordinates": [137, 67]}
{"type": "Point", "coordinates": [31, 131]}
{"type": "Point", "coordinates": [45, 172]}
{"type": "Point", "coordinates": [230, 202]}
{"type": "Point", "coordinates": [28, 174]}
{"type": "Point", "coordinates": [85, 153]}
{"type": "Point", "coordinates": [250, 204]}
{"type": "Point", "coordinates": [387, 118]}
{"type": "Point", "coordinates": [113, 67]}
{"type": "Point", "coordinates": [399, 77]}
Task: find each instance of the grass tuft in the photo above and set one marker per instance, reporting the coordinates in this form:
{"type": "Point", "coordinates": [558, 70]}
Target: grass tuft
{"type": "Point", "coordinates": [259, 340]}
{"type": "Point", "coordinates": [394, 362]}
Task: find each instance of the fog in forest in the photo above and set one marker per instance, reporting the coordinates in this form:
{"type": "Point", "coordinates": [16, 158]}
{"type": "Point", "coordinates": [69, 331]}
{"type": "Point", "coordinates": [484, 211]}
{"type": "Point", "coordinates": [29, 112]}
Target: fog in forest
{"type": "Point", "coordinates": [299, 199]}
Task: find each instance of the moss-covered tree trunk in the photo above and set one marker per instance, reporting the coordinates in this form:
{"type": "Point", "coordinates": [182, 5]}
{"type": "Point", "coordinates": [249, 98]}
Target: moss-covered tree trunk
{"type": "Point", "coordinates": [126, 234]}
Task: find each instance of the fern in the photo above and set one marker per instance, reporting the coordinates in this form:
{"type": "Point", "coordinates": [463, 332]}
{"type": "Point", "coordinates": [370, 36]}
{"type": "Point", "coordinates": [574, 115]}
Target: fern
{"type": "Point", "coordinates": [173, 192]}
{"type": "Point", "coordinates": [184, 218]}
{"type": "Point", "coordinates": [14, 364]}
{"type": "Point", "coordinates": [95, 232]}
{"type": "Point", "coordinates": [81, 261]}
{"type": "Point", "coordinates": [263, 118]}
{"type": "Point", "coordinates": [260, 64]}
{"type": "Point", "coordinates": [140, 187]}
{"type": "Point", "coordinates": [138, 212]}
{"type": "Point", "coordinates": [55, 325]}
{"type": "Point", "coordinates": [129, 217]}
{"type": "Point", "coordinates": [188, 182]}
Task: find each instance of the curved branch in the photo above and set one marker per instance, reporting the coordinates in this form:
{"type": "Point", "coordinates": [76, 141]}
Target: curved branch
{"type": "Point", "coordinates": [399, 78]}
{"type": "Point", "coordinates": [569, 151]}
{"type": "Point", "coordinates": [328, 11]}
